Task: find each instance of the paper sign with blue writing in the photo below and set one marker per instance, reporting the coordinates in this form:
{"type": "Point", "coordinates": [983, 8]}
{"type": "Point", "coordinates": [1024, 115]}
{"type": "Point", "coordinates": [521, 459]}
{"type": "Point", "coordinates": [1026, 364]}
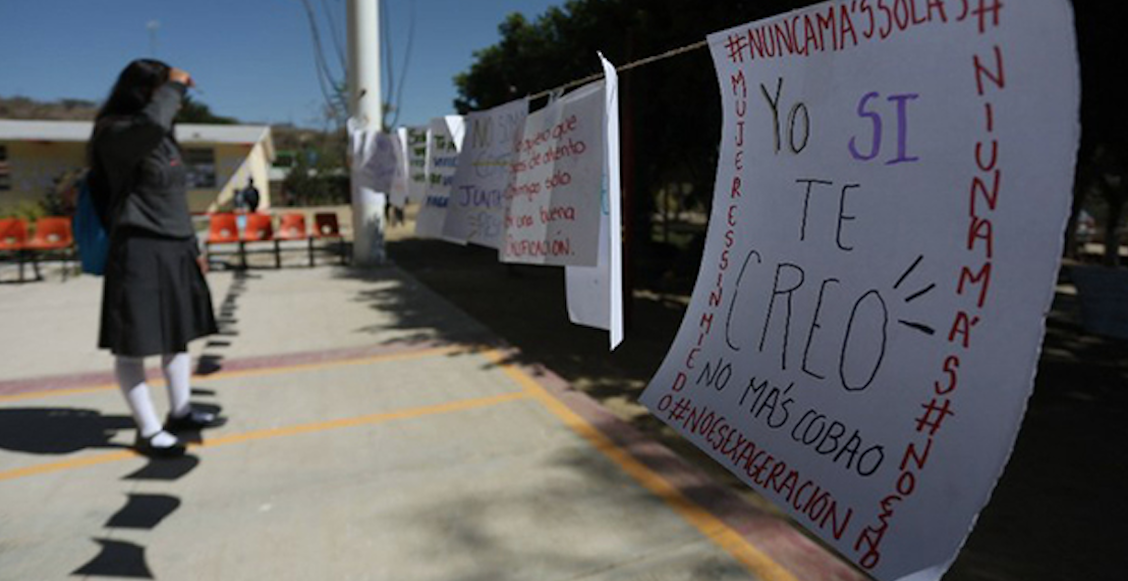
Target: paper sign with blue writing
{"type": "Point", "coordinates": [892, 187]}
{"type": "Point", "coordinates": [477, 193]}
{"type": "Point", "coordinates": [595, 293]}
{"type": "Point", "coordinates": [415, 143]}
{"type": "Point", "coordinates": [444, 137]}
{"type": "Point", "coordinates": [552, 201]}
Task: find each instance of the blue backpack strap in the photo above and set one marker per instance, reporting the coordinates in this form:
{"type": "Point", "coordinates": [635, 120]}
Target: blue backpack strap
{"type": "Point", "coordinates": [89, 233]}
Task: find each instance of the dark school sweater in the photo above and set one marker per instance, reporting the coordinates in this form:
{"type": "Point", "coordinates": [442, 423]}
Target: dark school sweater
{"type": "Point", "coordinates": [142, 162]}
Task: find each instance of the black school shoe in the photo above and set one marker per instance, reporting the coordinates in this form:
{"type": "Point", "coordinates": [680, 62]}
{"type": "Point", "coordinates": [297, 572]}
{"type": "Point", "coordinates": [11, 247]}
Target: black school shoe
{"type": "Point", "coordinates": [145, 447]}
{"type": "Point", "coordinates": [194, 420]}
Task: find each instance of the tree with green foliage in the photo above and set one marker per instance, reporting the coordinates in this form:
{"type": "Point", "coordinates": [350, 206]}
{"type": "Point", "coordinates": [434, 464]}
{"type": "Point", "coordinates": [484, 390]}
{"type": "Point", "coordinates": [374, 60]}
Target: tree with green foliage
{"type": "Point", "coordinates": [318, 175]}
{"type": "Point", "coordinates": [671, 113]}
{"type": "Point", "coordinates": [1101, 185]}
{"type": "Point", "coordinates": [193, 111]}
{"type": "Point", "coordinates": [671, 109]}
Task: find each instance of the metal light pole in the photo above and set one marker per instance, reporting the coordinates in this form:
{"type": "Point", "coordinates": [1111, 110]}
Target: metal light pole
{"type": "Point", "coordinates": [153, 26]}
{"type": "Point", "coordinates": [366, 114]}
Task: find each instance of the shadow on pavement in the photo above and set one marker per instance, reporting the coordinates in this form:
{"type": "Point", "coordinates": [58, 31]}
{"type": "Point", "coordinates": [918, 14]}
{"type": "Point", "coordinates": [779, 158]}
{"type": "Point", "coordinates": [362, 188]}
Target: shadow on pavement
{"type": "Point", "coordinates": [165, 469]}
{"type": "Point", "coordinates": [143, 511]}
{"type": "Point", "coordinates": [58, 430]}
{"type": "Point", "coordinates": [211, 358]}
{"type": "Point", "coordinates": [1044, 522]}
{"type": "Point", "coordinates": [479, 526]}
{"type": "Point", "coordinates": [62, 431]}
{"type": "Point", "coordinates": [416, 318]}
{"type": "Point", "coordinates": [117, 559]}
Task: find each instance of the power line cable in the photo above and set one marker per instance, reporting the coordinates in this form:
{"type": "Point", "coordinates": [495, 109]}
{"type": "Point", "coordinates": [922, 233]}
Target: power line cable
{"type": "Point", "coordinates": [332, 92]}
{"type": "Point", "coordinates": [406, 61]}
{"type": "Point", "coordinates": [633, 64]}
{"type": "Point", "coordinates": [386, 56]}
{"type": "Point", "coordinates": [318, 56]}
{"type": "Point", "coordinates": [329, 16]}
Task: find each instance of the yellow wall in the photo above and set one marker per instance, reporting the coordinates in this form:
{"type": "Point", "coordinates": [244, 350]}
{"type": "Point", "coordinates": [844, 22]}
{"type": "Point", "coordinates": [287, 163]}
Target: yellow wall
{"type": "Point", "coordinates": [234, 165]}
{"type": "Point", "coordinates": [35, 167]}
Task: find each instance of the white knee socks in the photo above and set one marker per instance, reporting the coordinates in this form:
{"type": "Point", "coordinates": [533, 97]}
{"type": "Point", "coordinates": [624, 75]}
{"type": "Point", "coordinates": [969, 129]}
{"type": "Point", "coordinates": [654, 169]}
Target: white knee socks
{"type": "Point", "coordinates": [131, 377]}
{"type": "Point", "coordinates": [177, 370]}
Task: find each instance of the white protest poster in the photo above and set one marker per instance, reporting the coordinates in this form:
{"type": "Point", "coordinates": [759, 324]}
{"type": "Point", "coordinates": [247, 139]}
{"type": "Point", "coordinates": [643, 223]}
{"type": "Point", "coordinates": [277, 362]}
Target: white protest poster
{"type": "Point", "coordinates": [373, 163]}
{"type": "Point", "coordinates": [595, 293]}
{"type": "Point", "coordinates": [376, 153]}
{"type": "Point", "coordinates": [397, 195]}
{"type": "Point", "coordinates": [416, 145]}
{"type": "Point", "coordinates": [456, 125]}
{"type": "Point", "coordinates": [444, 137]}
{"type": "Point", "coordinates": [891, 193]}
{"type": "Point", "coordinates": [476, 209]}
{"type": "Point", "coordinates": [552, 201]}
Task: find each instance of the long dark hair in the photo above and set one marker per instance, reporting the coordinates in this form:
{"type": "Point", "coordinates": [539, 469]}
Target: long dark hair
{"type": "Point", "coordinates": [131, 93]}
{"type": "Point", "coordinates": [134, 87]}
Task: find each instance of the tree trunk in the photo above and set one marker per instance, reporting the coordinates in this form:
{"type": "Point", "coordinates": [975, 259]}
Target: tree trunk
{"type": "Point", "coordinates": [1070, 248]}
{"type": "Point", "coordinates": [1112, 228]}
{"type": "Point", "coordinates": [1080, 187]}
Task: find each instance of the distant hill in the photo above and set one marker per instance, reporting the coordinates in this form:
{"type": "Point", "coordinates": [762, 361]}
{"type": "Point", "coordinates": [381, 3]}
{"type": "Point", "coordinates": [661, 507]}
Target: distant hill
{"type": "Point", "coordinates": [61, 110]}
{"type": "Point", "coordinates": [286, 137]}
{"type": "Point", "coordinates": [192, 111]}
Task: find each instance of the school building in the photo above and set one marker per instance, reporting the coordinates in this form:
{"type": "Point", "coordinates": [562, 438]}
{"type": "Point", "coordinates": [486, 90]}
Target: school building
{"type": "Point", "coordinates": [35, 155]}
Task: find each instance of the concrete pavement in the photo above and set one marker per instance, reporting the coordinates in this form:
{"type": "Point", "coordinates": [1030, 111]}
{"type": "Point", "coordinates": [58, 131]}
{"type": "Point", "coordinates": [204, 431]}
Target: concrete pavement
{"type": "Point", "coordinates": [375, 432]}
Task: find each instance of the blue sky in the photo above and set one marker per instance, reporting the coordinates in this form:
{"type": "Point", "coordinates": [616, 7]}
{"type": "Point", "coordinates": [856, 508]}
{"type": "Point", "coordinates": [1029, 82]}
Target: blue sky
{"type": "Point", "coordinates": [253, 59]}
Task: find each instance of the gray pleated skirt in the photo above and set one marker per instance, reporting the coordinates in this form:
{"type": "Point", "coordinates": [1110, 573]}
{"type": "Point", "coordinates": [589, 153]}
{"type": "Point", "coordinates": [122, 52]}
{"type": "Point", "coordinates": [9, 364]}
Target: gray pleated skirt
{"type": "Point", "coordinates": [154, 297]}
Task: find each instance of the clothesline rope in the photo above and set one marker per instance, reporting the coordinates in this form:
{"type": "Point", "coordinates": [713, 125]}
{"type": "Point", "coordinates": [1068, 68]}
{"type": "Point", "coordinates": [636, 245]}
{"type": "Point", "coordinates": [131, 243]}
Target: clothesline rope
{"type": "Point", "coordinates": [643, 61]}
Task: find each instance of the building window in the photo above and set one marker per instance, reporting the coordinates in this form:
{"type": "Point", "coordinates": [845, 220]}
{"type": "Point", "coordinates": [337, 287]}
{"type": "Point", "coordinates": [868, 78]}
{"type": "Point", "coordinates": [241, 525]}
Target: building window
{"type": "Point", "coordinates": [200, 164]}
{"type": "Point", "coordinates": [5, 170]}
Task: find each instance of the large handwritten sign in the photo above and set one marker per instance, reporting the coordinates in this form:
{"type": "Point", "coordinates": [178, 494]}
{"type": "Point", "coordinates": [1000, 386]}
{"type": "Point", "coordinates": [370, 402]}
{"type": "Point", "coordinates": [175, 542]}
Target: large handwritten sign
{"type": "Point", "coordinates": [552, 201]}
{"type": "Point", "coordinates": [415, 143]}
{"type": "Point", "coordinates": [476, 209]}
{"type": "Point", "coordinates": [595, 293]}
{"type": "Point", "coordinates": [444, 137]}
{"type": "Point", "coordinates": [894, 178]}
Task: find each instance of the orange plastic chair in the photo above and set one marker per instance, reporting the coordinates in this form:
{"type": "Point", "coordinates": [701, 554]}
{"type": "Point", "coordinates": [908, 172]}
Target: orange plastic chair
{"type": "Point", "coordinates": [13, 234]}
{"type": "Point", "coordinates": [224, 229]}
{"type": "Point", "coordinates": [260, 228]}
{"type": "Point", "coordinates": [292, 226]}
{"type": "Point", "coordinates": [13, 240]}
{"type": "Point", "coordinates": [52, 234]}
{"type": "Point", "coordinates": [326, 226]}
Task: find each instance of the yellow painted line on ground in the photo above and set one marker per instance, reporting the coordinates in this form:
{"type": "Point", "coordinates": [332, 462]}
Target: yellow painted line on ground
{"type": "Point", "coordinates": [442, 408]}
{"type": "Point", "coordinates": [258, 372]}
{"type": "Point", "coordinates": [754, 559]}
{"type": "Point", "coordinates": [72, 463]}
{"type": "Point", "coordinates": [55, 392]}
{"type": "Point", "coordinates": [708, 524]}
{"type": "Point", "coordinates": [315, 365]}
{"type": "Point", "coordinates": [370, 419]}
